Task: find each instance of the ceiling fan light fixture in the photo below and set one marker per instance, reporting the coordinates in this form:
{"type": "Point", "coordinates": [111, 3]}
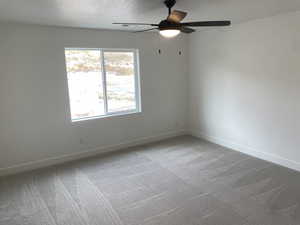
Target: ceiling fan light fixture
{"type": "Point", "coordinates": [169, 33]}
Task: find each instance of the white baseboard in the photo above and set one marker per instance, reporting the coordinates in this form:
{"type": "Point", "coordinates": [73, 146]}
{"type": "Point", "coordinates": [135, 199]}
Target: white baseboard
{"type": "Point", "coordinates": [249, 151]}
{"type": "Point", "coordinates": [84, 154]}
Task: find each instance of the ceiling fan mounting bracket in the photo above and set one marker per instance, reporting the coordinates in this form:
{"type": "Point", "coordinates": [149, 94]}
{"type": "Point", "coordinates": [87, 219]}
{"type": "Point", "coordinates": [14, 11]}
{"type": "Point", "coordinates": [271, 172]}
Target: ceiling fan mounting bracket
{"type": "Point", "coordinates": [170, 4]}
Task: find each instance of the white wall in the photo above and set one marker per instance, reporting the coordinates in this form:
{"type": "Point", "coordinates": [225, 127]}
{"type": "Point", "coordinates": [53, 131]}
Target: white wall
{"type": "Point", "coordinates": [244, 87]}
{"type": "Point", "coordinates": [243, 91]}
{"type": "Point", "coordinates": [34, 110]}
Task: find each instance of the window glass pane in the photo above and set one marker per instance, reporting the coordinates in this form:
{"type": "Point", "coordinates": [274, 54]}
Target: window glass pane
{"type": "Point", "coordinates": [85, 83]}
{"type": "Point", "coordinates": [120, 81]}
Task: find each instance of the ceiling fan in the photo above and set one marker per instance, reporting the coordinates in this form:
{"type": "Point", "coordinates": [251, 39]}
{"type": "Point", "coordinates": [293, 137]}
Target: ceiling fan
{"type": "Point", "coordinates": [172, 26]}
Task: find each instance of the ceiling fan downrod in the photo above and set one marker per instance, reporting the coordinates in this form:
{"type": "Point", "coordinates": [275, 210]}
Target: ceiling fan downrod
{"type": "Point", "coordinates": [170, 4]}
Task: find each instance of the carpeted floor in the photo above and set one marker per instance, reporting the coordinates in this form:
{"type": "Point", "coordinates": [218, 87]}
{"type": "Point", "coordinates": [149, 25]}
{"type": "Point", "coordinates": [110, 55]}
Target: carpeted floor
{"type": "Point", "coordinates": [181, 181]}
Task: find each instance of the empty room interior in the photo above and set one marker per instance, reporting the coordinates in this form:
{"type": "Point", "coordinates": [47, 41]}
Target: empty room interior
{"type": "Point", "coordinates": [149, 112]}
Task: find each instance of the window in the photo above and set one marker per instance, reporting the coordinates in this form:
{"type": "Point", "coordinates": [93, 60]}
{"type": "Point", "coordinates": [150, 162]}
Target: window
{"type": "Point", "coordinates": [102, 82]}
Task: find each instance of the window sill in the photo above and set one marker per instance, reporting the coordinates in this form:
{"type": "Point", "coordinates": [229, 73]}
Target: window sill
{"type": "Point", "coordinates": [111, 115]}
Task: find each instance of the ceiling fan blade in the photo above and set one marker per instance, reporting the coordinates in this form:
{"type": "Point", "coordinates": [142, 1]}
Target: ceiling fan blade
{"type": "Point", "coordinates": [142, 24]}
{"type": "Point", "coordinates": [140, 31]}
{"type": "Point", "coordinates": [187, 30]}
{"type": "Point", "coordinates": [176, 16]}
{"type": "Point", "coordinates": [207, 23]}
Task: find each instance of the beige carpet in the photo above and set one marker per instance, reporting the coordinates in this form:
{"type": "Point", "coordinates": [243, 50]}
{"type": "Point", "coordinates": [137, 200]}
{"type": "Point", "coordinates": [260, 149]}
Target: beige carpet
{"type": "Point", "coordinates": [182, 181]}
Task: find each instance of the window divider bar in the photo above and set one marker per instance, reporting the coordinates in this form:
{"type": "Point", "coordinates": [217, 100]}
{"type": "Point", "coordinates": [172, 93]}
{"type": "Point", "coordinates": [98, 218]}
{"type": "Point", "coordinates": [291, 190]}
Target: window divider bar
{"type": "Point", "coordinates": [137, 80]}
{"type": "Point", "coordinates": [103, 72]}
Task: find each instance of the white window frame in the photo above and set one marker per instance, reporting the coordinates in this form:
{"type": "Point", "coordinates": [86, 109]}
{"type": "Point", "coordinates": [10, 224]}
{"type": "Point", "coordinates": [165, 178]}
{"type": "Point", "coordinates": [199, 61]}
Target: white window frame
{"type": "Point", "coordinates": [138, 107]}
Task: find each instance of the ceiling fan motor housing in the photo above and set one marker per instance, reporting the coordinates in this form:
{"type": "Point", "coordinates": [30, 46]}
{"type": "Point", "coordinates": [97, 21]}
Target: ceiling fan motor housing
{"type": "Point", "coordinates": [169, 25]}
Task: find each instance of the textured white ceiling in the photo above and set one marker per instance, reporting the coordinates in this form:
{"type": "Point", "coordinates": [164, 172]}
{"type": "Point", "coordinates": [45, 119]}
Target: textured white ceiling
{"type": "Point", "coordinates": [101, 13]}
